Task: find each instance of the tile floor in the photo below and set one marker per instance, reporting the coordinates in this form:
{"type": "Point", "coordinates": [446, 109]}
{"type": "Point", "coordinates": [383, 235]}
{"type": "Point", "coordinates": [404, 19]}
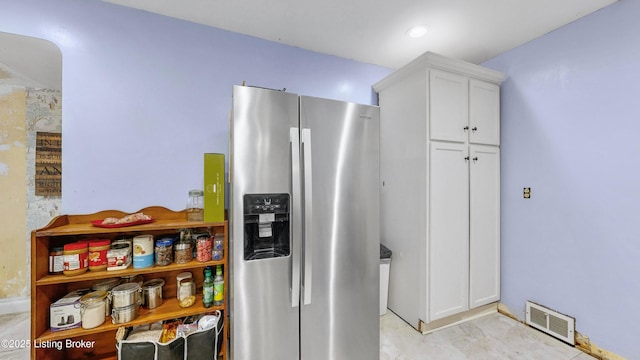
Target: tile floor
{"type": "Point", "coordinates": [491, 337]}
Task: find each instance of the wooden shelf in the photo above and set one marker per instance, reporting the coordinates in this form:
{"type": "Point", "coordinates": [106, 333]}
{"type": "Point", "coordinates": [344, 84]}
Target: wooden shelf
{"type": "Point", "coordinates": [47, 288]}
{"type": "Point", "coordinates": [170, 309]}
{"type": "Point", "coordinates": [105, 274]}
{"type": "Point", "coordinates": [157, 225]}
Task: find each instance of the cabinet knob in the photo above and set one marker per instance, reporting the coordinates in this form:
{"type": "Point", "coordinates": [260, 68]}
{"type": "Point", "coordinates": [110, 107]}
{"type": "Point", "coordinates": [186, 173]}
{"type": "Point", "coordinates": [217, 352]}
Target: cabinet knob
{"type": "Point", "coordinates": [475, 158]}
{"type": "Point", "coordinates": [466, 158]}
{"type": "Point", "coordinates": [466, 128]}
{"type": "Point", "coordinates": [474, 128]}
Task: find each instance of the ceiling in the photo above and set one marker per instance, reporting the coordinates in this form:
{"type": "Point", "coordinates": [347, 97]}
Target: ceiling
{"type": "Point", "coordinates": [373, 31]}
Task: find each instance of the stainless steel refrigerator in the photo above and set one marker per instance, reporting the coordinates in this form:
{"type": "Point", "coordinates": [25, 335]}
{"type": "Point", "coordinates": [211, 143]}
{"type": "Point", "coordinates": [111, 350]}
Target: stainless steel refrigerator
{"type": "Point", "coordinates": [304, 227]}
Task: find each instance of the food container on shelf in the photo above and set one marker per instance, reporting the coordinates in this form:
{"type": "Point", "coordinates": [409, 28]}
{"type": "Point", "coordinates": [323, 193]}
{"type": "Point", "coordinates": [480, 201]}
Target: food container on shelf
{"type": "Point", "coordinates": [186, 289]}
{"type": "Point", "coordinates": [125, 314]}
{"type": "Point", "coordinates": [76, 258]}
{"type": "Point", "coordinates": [125, 295]}
{"type": "Point", "coordinates": [195, 205]}
{"type": "Point", "coordinates": [119, 256]}
{"type": "Point", "coordinates": [106, 285]}
{"type": "Point", "coordinates": [142, 251]}
{"type": "Point", "coordinates": [56, 260]}
{"type": "Point", "coordinates": [98, 254]}
{"type": "Point", "coordinates": [164, 251]}
{"type": "Point", "coordinates": [204, 248]}
{"type": "Point", "coordinates": [182, 252]}
{"type": "Point", "coordinates": [92, 309]}
{"type": "Point", "coordinates": [152, 293]}
{"type": "Point", "coordinates": [218, 247]}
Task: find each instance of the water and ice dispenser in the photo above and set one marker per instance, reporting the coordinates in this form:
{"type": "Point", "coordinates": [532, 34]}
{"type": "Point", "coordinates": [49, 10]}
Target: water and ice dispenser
{"type": "Point", "coordinates": [266, 226]}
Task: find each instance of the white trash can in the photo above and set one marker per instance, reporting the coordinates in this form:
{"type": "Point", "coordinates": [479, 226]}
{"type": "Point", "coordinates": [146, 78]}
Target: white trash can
{"type": "Point", "coordinates": [385, 265]}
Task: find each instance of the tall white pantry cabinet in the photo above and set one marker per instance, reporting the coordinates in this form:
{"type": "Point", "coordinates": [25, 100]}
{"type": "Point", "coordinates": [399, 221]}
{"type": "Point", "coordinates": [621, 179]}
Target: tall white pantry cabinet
{"type": "Point", "coordinates": [440, 189]}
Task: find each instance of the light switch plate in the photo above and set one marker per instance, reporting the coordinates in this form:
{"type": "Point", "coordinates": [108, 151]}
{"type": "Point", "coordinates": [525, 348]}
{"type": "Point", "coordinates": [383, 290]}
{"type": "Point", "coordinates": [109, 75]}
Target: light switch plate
{"type": "Point", "coordinates": [526, 193]}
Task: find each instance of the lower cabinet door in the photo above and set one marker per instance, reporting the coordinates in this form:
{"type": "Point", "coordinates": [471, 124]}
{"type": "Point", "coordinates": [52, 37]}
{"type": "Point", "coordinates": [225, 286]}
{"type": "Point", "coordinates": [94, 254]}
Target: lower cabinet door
{"type": "Point", "coordinates": [448, 230]}
{"type": "Point", "coordinates": [484, 240]}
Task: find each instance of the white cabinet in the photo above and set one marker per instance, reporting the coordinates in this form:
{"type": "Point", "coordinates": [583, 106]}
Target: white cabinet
{"type": "Point", "coordinates": [484, 226]}
{"type": "Point", "coordinates": [448, 230]}
{"type": "Point", "coordinates": [440, 188]}
{"type": "Point", "coordinates": [463, 109]}
{"type": "Point", "coordinates": [484, 112]}
{"type": "Point", "coordinates": [448, 106]}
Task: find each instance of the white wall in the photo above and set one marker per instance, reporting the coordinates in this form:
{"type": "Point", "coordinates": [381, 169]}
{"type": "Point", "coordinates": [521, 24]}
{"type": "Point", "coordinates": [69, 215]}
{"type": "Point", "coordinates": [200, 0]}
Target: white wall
{"type": "Point", "coordinates": [145, 96]}
{"type": "Point", "coordinates": [570, 131]}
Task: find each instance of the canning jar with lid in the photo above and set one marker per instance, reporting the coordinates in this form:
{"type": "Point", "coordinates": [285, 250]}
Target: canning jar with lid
{"type": "Point", "coordinates": [186, 292]}
{"type": "Point", "coordinates": [195, 205]}
{"type": "Point", "coordinates": [76, 258]}
{"type": "Point", "coordinates": [93, 309]}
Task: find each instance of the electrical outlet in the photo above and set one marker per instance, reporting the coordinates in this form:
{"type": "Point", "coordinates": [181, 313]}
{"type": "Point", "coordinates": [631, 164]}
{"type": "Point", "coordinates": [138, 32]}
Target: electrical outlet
{"type": "Point", "coordinates": [526, 193]}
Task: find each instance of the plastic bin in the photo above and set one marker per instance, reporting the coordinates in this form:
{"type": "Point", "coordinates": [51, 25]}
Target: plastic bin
{"type": "Point", "coordinates": [385, 265]}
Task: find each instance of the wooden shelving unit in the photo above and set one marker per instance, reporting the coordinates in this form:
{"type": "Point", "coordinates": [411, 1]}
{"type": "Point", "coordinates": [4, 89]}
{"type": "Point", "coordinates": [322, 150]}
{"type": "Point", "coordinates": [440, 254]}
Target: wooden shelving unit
{"type": "Point", "coordinates": [46, 288]}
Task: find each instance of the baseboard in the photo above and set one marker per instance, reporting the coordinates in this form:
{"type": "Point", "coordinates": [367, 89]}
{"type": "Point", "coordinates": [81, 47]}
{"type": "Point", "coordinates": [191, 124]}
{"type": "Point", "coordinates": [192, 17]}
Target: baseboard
{"type": "Point", "coordinates": [15, 305]}
{"type": "Point", "coordinates": [457, 318]}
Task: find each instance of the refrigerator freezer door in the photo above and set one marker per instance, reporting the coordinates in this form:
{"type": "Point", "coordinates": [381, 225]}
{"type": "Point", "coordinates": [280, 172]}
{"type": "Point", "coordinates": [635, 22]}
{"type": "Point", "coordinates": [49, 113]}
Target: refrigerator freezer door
{"type": "Point", "coordinates": [342, 321]}
{"type": "Point", "coordinates": [265, 322]}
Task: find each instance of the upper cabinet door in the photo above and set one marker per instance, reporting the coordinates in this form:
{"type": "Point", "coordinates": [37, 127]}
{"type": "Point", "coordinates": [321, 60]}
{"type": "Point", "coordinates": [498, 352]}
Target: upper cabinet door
{"type": "Point", "coordinates": [484, 113]}
{"type": "Point", "coordinates": [448, 106]}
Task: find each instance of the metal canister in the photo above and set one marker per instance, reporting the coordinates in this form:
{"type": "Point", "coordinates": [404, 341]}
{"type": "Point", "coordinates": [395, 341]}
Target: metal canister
{"type": "Point", "coordinates": [106, 285]}
{"type": "Point", "coordinates": [125, 314]}
{"type": "Point", "coordinates": [125, 295]}
{"type": "Point", "coordinates": [152, 293]}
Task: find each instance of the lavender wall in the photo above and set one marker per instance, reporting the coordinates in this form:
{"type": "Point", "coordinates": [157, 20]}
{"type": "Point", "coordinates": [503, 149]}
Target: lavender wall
{"type": "Point", "coordinates": [144, 96]}
{"type": "Point", "coordinates": [570, 131]}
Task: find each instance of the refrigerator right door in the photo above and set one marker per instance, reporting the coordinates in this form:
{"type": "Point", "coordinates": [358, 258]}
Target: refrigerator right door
{"type": "Point", "coordinates": [339, 317]}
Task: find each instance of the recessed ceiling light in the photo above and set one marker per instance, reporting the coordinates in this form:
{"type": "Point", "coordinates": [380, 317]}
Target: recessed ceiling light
{"type": "Point", "coordinates": [417, 31]}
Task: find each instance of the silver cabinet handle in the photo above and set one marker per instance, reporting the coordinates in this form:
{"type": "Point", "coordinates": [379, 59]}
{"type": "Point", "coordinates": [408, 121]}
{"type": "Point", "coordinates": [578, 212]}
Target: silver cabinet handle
{"type": "Point", "coordinates": [296, 216]}
{"type": "Point", "coordinates": [308, 223]}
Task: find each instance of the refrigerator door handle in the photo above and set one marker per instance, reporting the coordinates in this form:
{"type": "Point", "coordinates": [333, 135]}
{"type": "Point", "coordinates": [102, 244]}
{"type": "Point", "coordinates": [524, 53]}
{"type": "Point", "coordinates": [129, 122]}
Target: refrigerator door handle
{"type": "Point", "coordinates": [296, 231]}
{"type": "Point", "coordinates": [308, 238]}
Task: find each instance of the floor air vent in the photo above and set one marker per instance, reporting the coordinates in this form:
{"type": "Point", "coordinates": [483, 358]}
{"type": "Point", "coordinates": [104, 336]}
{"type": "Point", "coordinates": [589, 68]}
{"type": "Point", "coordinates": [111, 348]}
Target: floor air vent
{"type": "Point", "coordinates": [551, 322]}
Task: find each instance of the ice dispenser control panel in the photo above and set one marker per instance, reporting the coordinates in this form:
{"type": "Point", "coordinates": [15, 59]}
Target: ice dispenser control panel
{"type": "Point", "coordinates": [266, 226]}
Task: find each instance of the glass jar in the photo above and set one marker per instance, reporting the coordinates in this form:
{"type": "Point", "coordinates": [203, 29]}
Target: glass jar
{"type": "Point", "coordinates": [182, 252]}
{"type": "Point", "coordinates": [195, 205]}
{"type": "Point", "coordinates": [56, 260]}
{"type": "Point", "coordinates": [93, 309]}
{"type": "Point", "coordinates": [218, 247]}
{"type": "Point", "coordinates": [186, 292]}
{"type": "Point", "coordinates": [164, 251]}
{"type": "Point", "coordinates": [204, 247]}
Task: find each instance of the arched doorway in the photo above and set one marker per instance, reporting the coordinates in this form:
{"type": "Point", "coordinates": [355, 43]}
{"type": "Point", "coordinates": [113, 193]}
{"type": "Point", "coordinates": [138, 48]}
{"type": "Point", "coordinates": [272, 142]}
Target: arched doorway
{"type": "Point", "coordinates": [30, 102]}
